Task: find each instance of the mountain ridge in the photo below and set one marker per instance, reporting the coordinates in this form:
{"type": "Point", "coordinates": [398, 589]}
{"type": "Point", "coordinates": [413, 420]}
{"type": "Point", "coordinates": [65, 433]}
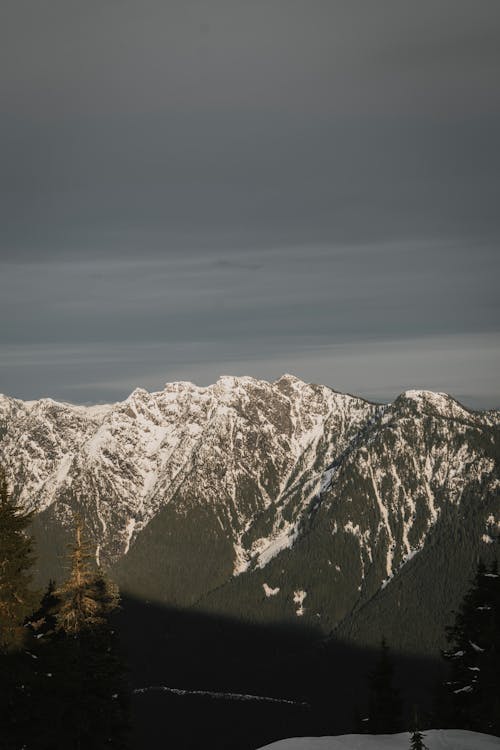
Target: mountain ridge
{"type": "Point", "coordinates": [96, 426]}
{"type": "Point", "coordinates": [262, 500]}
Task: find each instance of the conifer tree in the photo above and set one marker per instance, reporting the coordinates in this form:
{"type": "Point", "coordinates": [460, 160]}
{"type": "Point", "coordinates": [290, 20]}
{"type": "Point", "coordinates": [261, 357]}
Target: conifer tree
{"type": "Point", "coordinates": [490, 671]}
{"type": "Point", "coordinates": [17, 599]}
{"type": "Point", "coordinates": [43, 621]}
{"type": "Point", "coordinates": [385, 703]}
{"type": "Point", "coordinates": [86, 696]}
{"type": "Point", "coordinates": [416, 736]}
{"type": "Point", "coordinates": [37, 719]}
{"type": "Point", "coordinates": [86, 597]}
{"type": "Point", "coordinates": [474, 655]}
{"type": "Point", "coordinates": [417, 741]}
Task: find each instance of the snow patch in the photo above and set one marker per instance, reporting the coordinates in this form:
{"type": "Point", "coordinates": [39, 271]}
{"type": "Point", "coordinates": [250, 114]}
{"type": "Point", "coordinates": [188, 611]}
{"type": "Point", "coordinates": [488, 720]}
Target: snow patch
{"type": "Point", "coordinates": [492, 530]}
{"type": "Point", "coordinates": [215, 695]}
{"type": "Point", "coordinates": [265, 549]}
{"type": "Point", "coordinates": [270, 591]}
{"type": "Point", "coordinates": [129, 531]}
{"type": "Point", "coordinates": [476, 647]}
{"type": "Point", "coordinates": [298, 598]}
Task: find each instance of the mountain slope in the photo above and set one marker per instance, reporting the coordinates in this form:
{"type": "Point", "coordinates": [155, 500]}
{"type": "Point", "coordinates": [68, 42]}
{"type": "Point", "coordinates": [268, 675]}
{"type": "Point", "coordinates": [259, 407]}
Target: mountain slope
{"type": "Point", "coordinates": [268, 501]}
{"type": "Point", "coordinates": [242, 457]}
{"type": "Point", "coordinates": [422, 481]}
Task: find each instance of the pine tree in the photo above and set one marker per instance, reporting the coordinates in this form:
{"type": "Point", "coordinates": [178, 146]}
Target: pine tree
{"type": "Point", "coordinates": [43, 622]}
{"type": "Point", "coordinates": [85, 693]}
{"type": "Point", "coordinates": [385, 703]}
{"type": "Point", "coordinates": [34, 668]}
{"type": "Point", "coordinates": [417, 741]}
{"type": "Point", "coordinates": [474, 655]}
{"type": "Point", "coordinates": [17, 599]}
{"type": "Point", "coordinates": [489, 711]}
{"type": "Point", "coordinates": [416, 736]}
{"type": "Point", "coordinates": [86, 598]}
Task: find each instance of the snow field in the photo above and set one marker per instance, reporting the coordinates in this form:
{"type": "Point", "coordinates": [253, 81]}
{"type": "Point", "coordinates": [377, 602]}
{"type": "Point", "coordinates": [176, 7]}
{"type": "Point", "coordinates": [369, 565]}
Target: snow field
{"type": "Point", "coordinates": [435, 739]}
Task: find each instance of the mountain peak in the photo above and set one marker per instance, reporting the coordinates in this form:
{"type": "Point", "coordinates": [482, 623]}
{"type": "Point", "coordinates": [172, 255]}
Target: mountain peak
{"type": "Point", "coordinates": [181, 385]}
{"type": "Point", "coordinates": [234, 380]}
{"type": "Point", "coordinates": [288, 377]}
{"type": "Point", "coordinates": [434, 402]}
{"type": "Point", "coordinates": [436, 397]}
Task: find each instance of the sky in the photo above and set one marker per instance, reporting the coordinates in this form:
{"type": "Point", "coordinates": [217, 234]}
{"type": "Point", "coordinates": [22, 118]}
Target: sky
{"type": "Point", "coordinates": [190, 189]}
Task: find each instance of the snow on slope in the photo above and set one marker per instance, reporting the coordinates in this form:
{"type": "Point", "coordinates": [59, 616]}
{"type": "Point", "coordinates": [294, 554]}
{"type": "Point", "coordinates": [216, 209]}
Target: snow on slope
{"type": "Point", "coordinates": [413, 470]}
{"type": "Point", "coordinates": [435, 739]}
{"type": "Point", "coordinates": [248, 447]}
{"type": "Point", "coordinates": [424, 452]}
{"type": "Point", "coordinates": [259, 456]}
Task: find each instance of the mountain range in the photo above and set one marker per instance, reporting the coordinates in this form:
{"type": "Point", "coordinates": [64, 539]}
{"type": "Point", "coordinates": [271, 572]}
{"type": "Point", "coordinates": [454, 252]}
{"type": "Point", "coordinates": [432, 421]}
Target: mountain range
{"type": "Point", "coordinates": [269, 502]}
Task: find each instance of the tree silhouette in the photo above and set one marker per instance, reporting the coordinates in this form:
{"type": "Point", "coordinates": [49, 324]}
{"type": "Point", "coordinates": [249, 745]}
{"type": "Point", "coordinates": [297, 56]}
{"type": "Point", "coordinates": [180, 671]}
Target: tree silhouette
{"type": "Point", "coordinates": [473, 686]}
{"type": "Point", "coordinates": [83, 691]}
{"type": "Point", "coordinates": [17, 599]}
{"type": "Point", "coordinates": [417, 741]}
{"type": "Point", "coordinates": [416, 736]}
{"type": "Point", "coordinates": [385, 702]}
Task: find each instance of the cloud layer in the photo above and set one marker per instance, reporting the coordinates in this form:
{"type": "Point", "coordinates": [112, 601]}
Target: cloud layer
{"type": "Point", "coordinates": [188, 187]}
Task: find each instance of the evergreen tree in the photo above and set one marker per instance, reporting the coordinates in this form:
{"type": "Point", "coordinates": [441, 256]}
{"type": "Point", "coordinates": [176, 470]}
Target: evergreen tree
{"type": "Point", "coordinates": [417, 741]}
{"type": "Point", "coordinates": [490, 668]}
{"type": "Point", "coordinates": [43, 622]}
{"type": "Point", "coordinates": [416, 736]}
{"type": "Point", "coordinates": [17, 599]}
{"type": "Point", "coordinates": [86, 598]}
{"type": "Point", "coordinates": [474, 656]}
{"type": "Point", "coordinates": [36, 703]}
{"type": "Point", "coordinates": [385, 702]}
{"type": "Point", "coordinates": [85, 694]}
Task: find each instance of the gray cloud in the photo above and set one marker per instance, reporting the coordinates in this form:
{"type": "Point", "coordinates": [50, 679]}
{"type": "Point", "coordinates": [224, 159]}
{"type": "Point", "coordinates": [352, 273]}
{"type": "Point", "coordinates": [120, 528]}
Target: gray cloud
{"type": "Point", "coordinates": [246, 182]}
{"type": "Point", "coordinates": [465, 365]}
{"type": "Point", "coordinates": [304, 292]}
{"type": "Point", "coordinates": [132, 322]}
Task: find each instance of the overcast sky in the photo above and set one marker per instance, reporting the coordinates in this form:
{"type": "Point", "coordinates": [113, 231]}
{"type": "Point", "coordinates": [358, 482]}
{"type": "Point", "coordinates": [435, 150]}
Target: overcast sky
{"type": "Point", "coordinates": [196, 188]}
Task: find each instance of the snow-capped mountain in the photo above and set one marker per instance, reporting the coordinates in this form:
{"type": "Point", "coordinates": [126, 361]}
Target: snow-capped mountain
{"type": "Point", "coordinates": [245, 450]}
{"type": "Point", "coordinates": [277, 500]}
{"type": "Point", "coordinates": [416, 490]}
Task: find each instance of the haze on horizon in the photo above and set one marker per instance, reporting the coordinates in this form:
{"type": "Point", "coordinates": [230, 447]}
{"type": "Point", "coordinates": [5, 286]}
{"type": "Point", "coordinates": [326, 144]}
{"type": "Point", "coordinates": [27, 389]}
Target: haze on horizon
{"type": "Point", "coordinates": [196, 188]}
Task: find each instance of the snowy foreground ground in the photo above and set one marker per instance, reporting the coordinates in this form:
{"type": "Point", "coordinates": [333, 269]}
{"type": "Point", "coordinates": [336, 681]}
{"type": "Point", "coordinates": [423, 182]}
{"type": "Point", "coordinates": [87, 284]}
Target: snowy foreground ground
{"type": "Point", "coordinates": [435, 739]}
